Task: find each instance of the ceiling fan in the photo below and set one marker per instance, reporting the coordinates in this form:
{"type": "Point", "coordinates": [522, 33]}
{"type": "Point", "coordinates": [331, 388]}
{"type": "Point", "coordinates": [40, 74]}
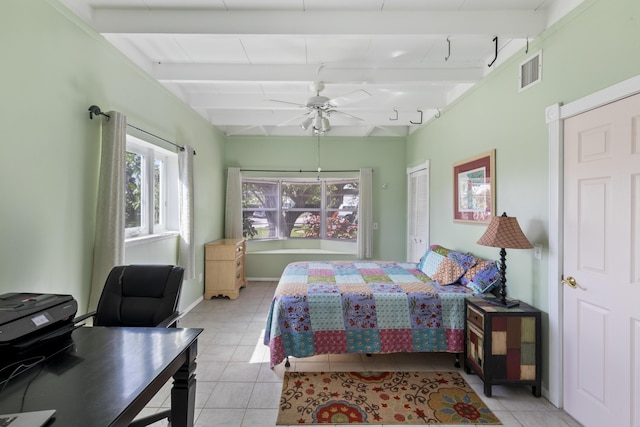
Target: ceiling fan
{"type": "Point", "coordinates": [320, 108]}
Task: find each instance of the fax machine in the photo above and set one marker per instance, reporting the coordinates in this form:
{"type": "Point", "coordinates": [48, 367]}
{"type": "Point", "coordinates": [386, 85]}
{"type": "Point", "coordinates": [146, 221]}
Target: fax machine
{"type": "Point", "coordinates": [29, 319]}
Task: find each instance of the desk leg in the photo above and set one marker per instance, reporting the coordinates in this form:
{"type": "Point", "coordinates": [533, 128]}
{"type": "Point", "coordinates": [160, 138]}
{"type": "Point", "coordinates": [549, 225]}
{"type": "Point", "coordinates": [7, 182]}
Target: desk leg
{"type": "Point", "coordinates": [183, 393]}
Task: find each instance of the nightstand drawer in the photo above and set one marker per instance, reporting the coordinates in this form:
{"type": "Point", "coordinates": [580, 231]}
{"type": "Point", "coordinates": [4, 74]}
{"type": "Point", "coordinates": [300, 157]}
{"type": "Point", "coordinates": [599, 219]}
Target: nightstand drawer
{"type": "Point", "coordinates": [475, 317]}
{"type": "Point", "coordinates": [224, 250]}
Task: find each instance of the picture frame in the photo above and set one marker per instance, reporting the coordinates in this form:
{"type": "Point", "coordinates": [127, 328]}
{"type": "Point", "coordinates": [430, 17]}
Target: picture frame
{"type": "Point", "coordinates": [474, 189]}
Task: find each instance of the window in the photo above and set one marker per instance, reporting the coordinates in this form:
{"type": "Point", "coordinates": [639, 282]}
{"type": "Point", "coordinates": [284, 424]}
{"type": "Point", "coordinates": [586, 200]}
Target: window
{"type": "Point", "coordinates": [300, 208]}
{"type": "Point", "coordinates": [151, 193]}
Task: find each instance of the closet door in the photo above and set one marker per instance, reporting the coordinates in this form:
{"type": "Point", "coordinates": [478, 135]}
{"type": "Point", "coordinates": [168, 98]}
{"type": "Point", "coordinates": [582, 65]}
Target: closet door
{"type": "Point", "coordinates": [417, 212]}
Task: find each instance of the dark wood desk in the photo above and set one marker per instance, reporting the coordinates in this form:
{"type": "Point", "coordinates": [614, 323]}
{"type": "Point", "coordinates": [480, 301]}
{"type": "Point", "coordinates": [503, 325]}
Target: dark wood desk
{"type": "Point", "coordinates": [108, 375]}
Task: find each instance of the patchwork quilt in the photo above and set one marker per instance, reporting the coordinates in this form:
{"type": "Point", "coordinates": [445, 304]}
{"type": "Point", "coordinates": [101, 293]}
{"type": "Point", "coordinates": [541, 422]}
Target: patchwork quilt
{"type": "Point", "coordinates": [337, 307]}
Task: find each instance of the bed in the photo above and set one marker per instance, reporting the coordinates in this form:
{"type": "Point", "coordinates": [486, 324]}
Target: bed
{"type": "Point", "coordinates": [336, 307]}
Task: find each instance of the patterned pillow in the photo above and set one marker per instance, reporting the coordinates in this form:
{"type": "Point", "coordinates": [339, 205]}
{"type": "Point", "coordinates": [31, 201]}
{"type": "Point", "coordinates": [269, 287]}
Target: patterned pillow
{"type": "Point", "coordinates": [436, 248]}
{"type": "Point", "coordinates": [464, 260]}
{"type": "Point", "coordinates": [444, 265]}
{"type": "Point", "coordinates": [482, 277]}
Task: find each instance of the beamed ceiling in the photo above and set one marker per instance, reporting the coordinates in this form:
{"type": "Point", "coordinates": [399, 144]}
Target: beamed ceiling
{"type": "Point", "coordinates": [250, 66]}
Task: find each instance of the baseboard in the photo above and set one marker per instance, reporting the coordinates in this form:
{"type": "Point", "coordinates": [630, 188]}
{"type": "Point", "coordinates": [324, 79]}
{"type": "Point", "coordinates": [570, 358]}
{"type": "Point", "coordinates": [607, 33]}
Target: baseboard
{"type": "Point", "coordinates": [263, 279]}
{"type": "Point", "coordinates": [192, 305]}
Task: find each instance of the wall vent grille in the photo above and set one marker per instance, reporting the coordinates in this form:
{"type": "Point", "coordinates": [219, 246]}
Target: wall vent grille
{"type": "Point", "coordinates": [531, 71]}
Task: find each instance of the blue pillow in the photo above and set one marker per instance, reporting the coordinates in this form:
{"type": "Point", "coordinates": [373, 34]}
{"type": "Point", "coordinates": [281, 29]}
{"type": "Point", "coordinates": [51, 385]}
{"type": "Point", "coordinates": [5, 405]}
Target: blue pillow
{"type": "Point", "coordinates": [482, 277]}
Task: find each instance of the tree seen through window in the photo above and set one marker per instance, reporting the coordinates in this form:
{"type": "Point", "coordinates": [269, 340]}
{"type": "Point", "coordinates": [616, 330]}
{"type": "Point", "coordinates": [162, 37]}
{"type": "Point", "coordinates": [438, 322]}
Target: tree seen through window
{"type": "Point", "coordinates": [310, 209]}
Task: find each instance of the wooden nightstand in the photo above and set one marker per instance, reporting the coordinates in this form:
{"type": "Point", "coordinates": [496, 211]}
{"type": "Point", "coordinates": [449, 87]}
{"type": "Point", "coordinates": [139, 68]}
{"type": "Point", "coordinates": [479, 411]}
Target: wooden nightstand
{"type": "Point", "coordinates": [503, 345]}
{"type": "Point", "coordinates": [224, 272]}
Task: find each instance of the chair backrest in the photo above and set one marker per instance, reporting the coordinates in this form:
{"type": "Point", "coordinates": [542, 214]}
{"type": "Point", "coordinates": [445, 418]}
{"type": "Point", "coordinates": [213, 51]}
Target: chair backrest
{"type": "Point", "coordinates": [139, 295]}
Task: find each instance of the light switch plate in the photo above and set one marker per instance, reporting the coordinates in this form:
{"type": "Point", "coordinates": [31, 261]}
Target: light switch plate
{"type": "Point", "coordinates": [537, 251]}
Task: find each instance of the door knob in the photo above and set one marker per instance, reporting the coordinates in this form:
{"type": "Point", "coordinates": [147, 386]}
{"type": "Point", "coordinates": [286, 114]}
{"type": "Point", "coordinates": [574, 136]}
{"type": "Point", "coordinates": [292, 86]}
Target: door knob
{"type": "Point", "coordinates": [571, 282]}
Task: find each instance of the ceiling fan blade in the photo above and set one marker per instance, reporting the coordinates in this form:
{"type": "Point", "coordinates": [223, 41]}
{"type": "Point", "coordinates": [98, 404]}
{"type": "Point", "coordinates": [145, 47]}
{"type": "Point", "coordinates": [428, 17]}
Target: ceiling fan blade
{"type": "Point", "coordinates": [344, 114]}
{"type": "Point", "coordinates": [355, 96]}
{"type": "Point", "coordinates": [287, 102]}
{"type": "Point", "coordinates": [294, 119]}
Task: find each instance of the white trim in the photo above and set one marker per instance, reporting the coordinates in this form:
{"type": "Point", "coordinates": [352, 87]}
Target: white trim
{"type": "Point", "coordinates": [555, 126]}
{"type": "Point", "coordinates": [556, 115]}
{"type": "Point", "coordinates": [149, 238]}
{"type": "Point", "coordinates": [425, 165]}
{"type": "Point", "coordinates": [191, 306]}
{"type": "Point", "coordinates": [598, 99]}
{"type": "Point", "coordinates": [410, 171]}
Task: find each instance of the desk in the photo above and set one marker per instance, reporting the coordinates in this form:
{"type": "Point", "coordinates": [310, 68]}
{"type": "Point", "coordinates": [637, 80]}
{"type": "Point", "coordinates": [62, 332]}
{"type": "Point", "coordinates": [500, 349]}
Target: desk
{"type": "Point", "coordinates": [108, 375]}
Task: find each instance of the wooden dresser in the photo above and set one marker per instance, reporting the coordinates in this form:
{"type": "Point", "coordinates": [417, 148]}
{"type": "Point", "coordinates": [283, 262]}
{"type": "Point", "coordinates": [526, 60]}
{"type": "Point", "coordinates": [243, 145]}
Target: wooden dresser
{"type": "Point", "coordinates": [224, 272]}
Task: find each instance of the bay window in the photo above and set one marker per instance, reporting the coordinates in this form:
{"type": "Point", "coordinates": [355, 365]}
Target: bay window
{"type": "Point", "coordinates": [289, 208]}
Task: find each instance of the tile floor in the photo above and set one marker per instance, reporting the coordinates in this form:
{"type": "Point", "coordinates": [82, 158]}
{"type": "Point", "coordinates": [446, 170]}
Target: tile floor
{"type": "Point", "coordinates": [236, 387]}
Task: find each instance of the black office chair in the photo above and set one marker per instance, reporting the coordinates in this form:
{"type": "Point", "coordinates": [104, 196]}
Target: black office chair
{"type": "Point", "coordinates": [140, 296]}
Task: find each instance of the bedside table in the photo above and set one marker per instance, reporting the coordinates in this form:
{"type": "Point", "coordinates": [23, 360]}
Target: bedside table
{"type": "Point", "coordinates": [503, 345]}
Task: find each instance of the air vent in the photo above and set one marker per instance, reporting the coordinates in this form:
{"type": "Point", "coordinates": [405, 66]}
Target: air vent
{"type": "Point", "coordinates": [531, 71]}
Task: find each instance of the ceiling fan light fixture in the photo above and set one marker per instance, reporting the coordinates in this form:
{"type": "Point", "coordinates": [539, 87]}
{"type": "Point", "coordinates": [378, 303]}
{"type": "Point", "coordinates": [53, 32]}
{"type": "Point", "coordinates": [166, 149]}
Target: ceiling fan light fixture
{"type": "Point", "coordinates": [326, 126]}
{"type": "Point", "coordinates": [317, 123]}
{"type": "Point", "coordinates": [305, 125]}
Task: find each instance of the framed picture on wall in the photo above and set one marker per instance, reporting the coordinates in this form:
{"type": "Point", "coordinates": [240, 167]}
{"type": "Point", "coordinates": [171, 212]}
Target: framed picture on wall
{"type": "Point", "coordinates": [474, 189]}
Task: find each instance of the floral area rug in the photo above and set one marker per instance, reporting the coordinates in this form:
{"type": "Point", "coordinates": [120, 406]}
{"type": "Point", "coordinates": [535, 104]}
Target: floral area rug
{"type": "Point", "coordinates": [380, 398]}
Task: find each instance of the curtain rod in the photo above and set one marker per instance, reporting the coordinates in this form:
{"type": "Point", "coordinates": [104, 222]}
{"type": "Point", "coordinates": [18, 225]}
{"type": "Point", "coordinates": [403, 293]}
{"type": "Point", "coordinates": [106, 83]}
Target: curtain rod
{"type": "Point", "coordinates": [94, 109]}
{"type": "Point", "coordinates": [298, 170]}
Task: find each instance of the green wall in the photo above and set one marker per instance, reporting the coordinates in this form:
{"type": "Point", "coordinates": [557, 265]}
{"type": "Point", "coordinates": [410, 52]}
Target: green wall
{"type": "Point", "coordinates": [53, 69]}
{"type": "Point", "coordinates": [593, 47]}
{"type": "Point", "coordinates": [385, 155]}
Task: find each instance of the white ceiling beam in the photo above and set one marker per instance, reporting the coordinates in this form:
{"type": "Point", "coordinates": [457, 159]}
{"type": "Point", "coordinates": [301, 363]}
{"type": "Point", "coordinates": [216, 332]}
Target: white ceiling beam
{"type": "Point", "coordinates": [230, 101]}
{"type": "Point", "coordinates": [304, 73]}
{"type": "Point", "coordinates": [255, 117]}
{"type": "Point", "coordinates": [349, 23]}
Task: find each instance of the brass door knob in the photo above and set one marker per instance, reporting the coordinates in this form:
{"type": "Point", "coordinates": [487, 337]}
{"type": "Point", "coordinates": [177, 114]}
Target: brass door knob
{"type": "Point", "coordinates": [571, 282]}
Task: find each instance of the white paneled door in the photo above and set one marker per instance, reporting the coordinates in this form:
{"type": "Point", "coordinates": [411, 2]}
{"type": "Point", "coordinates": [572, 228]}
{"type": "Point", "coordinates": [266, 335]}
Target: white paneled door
{"type": "Point", "coordinates": [418, 212]}
{"type": "Point", "coordinates": [601, 271]}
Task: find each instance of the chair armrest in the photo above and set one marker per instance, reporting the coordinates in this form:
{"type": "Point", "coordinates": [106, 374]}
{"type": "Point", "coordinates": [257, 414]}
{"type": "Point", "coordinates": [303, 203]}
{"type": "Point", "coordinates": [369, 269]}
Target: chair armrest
{"type": "Point", "coordinates": [84, 317]}
{"type": "Point", "coordinates": [170, 322]}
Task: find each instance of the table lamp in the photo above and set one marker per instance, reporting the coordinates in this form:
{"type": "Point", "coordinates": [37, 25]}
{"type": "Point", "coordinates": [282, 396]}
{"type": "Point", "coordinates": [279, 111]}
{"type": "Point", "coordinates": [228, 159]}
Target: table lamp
{"type": "Point", "coordinates": [504, 232]}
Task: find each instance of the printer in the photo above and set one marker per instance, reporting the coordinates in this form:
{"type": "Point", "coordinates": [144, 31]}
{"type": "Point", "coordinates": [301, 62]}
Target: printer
{"type": "Point", "coordinates": [28, 320]}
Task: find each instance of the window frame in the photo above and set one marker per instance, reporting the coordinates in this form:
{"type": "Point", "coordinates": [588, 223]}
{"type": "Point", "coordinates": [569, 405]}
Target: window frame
{"type": "Point", "coordinates": [323, 209]}
{"type": "Point", "coordinates": [168, 204]}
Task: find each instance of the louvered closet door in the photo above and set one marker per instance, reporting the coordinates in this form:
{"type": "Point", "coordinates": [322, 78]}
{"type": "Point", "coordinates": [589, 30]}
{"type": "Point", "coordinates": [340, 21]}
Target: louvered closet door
{"type": "Point", "coordinates": [418, 212]}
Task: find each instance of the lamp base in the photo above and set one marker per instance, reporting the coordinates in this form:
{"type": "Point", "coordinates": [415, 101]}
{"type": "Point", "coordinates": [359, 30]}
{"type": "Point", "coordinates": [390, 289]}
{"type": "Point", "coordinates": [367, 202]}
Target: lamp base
{"type": "Point", "coordinates": [508, 302]}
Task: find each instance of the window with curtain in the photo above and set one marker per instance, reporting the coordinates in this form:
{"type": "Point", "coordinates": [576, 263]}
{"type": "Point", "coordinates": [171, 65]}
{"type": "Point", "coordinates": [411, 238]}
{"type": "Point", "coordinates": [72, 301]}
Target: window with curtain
{"type": "Point", "coordinates": [300, 208]}
{"type": "Point", "coordinates": [151, 189]}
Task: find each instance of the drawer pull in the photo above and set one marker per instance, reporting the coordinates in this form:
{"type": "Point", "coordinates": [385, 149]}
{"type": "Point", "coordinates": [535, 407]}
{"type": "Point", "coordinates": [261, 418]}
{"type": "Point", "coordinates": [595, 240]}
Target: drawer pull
{"type": "Point", "coordinates": [474, 317]}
